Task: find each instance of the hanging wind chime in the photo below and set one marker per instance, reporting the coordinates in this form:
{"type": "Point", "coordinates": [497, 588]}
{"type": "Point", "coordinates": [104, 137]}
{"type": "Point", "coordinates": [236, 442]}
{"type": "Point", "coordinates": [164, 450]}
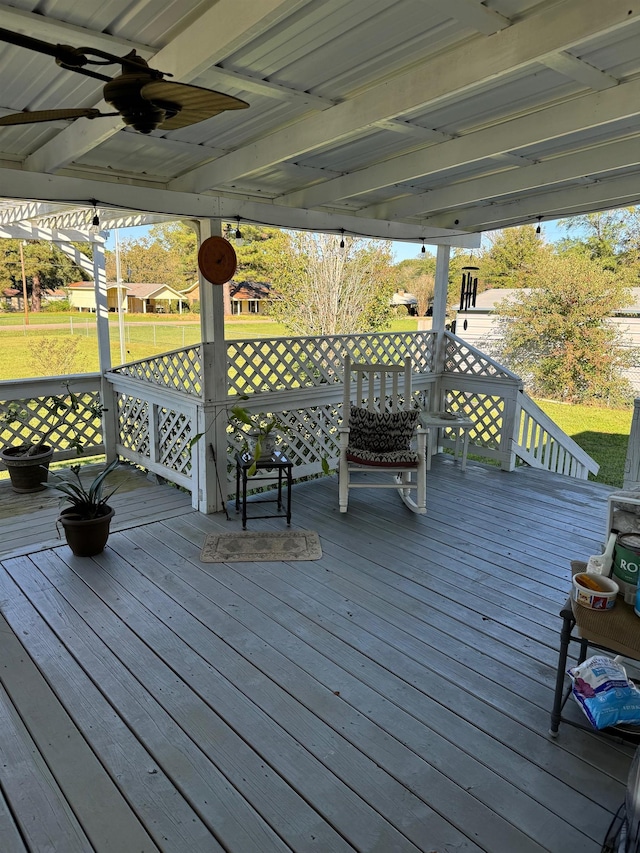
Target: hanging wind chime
{"type": "Point", "coordinates": [468, 290]}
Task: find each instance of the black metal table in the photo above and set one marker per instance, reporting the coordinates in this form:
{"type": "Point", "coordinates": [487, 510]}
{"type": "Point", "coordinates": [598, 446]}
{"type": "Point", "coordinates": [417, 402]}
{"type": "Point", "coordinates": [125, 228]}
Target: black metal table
{"type": "Point", "coordinates": [277, 462]}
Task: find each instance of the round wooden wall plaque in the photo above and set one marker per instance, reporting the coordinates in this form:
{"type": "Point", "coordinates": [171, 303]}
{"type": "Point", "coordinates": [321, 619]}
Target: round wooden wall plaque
{"type": "Point", "coordinates": [217, 260]}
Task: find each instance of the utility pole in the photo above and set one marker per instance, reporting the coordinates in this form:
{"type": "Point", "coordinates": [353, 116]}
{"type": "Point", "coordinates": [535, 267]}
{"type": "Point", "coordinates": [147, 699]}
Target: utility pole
{"type": "Point", "coordinates": [24, 285]}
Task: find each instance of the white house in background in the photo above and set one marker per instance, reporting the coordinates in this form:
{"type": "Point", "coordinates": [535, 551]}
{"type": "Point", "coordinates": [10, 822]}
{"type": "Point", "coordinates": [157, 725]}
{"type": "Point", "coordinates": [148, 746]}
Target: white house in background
{"type": "Point", "coordinates": [480, 326]}
{"type": "Point", "coordinates": [141, 298]}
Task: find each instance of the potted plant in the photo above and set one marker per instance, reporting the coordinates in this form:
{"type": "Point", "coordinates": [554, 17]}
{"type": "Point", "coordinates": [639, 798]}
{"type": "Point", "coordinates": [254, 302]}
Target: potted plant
{"type": "Point", "coordinates": [28, 463]}
{"type": "Point", "coordinates": [261, 436]}
{"type": "Point", "coordinates": [86, 522]}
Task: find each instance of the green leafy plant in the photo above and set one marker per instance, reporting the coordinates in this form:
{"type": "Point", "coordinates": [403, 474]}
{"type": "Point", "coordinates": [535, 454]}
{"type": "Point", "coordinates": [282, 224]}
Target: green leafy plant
{"type": "Point", "coordinates": [260, 425]}
{"type": "Point", "coordinates": [88, 501]}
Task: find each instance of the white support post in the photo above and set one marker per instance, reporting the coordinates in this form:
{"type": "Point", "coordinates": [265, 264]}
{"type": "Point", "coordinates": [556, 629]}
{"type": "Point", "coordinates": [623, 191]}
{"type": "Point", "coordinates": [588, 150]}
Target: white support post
{"type": "Point", "coordinates": [109, 399]}
{"type": "Point", "coordinates": [440, 295]}
{"type": "Point", "coordinates": [632, 462]}
{"type": "Point", "coordinates": [212, 448]}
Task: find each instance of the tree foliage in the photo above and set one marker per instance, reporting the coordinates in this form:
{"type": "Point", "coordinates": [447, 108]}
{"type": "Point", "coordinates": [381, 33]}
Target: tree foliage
{"type": "Point", "coordinates": [513, 257]}
{"type": "Point", "coordinates": [155, 259]}
{"type": "Point", "coordinates": [46, 268]}
{"type": "Point", "coordinates": [418, 276]}
{"type": "Point", "coordinates": [558, 338]}
{"type": "Point", "coordinates": [325, 290]}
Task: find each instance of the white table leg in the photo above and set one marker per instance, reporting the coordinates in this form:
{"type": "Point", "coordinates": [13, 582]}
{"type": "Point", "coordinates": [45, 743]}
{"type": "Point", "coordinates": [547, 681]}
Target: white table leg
{"type": "Point", "coordinates": [465, 447]}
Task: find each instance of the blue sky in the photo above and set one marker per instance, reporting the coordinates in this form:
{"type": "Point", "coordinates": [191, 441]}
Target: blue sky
{"type": "Point", "coordinates": [401, 250]}
{"type": "Point", "coordinates": [407, 251]}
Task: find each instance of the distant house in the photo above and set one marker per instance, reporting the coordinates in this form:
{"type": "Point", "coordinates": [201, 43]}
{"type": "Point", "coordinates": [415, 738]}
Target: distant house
{"type": "Point", "coordinates": [245, 297]}
{"type": "Point", "coordinates": [408, 300]}
{"type": "Point", "coordinates": [141, 298]}
{"type": "Point", "coordinates": [12, 297]}
{"type": "Point", "coordinates": [483, 329]}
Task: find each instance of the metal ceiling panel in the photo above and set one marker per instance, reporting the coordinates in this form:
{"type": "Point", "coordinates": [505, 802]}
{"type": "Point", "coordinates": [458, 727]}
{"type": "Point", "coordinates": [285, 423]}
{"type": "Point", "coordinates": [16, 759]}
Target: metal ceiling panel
{"type": "Point", "coordinates": [354, 109]}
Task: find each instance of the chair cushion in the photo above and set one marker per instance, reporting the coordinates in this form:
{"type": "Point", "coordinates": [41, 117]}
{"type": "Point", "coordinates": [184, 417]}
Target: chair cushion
{"type": "Point", "coordinates": [381, 432]}
{"type": "Point", "coordinates": [394, 459]}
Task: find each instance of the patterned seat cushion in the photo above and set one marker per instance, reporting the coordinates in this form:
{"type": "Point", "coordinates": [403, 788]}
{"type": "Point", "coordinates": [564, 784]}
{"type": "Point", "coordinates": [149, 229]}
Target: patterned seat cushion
{"type": "Point", "coordinates": [382, 438]}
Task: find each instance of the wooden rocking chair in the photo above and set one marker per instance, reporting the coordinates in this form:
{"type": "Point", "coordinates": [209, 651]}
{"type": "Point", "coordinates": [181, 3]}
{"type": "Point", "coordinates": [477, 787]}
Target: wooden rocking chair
{"type": "Point", "coordinates": [379, 425]}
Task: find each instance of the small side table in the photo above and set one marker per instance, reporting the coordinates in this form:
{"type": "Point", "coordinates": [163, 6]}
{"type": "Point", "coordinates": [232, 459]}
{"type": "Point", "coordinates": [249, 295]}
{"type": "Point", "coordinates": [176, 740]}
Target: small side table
{"type": "Point", "coordinates": [614, 631]}
{"type": "Point", "coordinates": [435, 421]}
{"type": "Point", "coordinates": [277, 462]}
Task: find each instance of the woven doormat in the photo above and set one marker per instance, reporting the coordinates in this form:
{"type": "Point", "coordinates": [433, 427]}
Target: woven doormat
{"type": "Point", "coordinates": [249, 547]}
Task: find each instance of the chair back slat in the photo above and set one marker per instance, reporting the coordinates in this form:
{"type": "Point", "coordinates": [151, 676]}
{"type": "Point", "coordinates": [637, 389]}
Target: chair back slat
{"type": "Point", "coordinates": [377, 387]}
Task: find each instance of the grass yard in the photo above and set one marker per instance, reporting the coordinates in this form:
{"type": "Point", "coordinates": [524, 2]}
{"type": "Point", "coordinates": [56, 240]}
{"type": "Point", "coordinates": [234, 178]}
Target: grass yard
{"type": "Point", "coordinates": [602, 433]}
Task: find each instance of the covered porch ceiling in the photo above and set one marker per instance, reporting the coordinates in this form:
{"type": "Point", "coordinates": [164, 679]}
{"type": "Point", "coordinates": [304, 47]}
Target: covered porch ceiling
{"type": "Point", "coordinates": [400, 119]}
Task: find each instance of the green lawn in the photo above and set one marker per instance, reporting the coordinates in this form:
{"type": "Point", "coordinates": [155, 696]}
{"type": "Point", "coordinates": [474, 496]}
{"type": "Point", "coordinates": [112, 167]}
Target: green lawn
{"type": "Point", "coordinates": [602, 433]}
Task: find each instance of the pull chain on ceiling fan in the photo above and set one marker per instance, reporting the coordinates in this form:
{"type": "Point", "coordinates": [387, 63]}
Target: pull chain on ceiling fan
{"type": "Point", "coordinates": [140, 95]}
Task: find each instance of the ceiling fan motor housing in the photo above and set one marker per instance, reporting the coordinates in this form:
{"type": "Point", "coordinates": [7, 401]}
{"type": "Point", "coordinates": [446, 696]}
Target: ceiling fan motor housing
{"type": "Point", "coordinates": [124, 93]}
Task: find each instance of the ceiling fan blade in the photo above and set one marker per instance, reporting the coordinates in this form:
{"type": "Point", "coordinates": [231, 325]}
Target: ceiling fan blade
{"type": "Point", "coordinates": [31, 117]}
{"type": "Point", "coordinates": [196, 104]}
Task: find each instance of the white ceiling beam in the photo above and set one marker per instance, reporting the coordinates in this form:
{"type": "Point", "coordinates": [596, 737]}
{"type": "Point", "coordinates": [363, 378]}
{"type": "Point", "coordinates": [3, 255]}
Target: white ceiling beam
{"type": "Point", "coordinates": [576, 69]}
{"type": "Point", "coordinates": [456, 71]}
{"type": "Point", "coordinates": [226, 78]}
{"type": "Point", "coordinates": [592, 110]}
{"type": "Point", "coordinates": [559, 202]}
{"type": "Point", "coordinates": [218, 31]}
{"type": "Point", "coordinates": [58, 32]}
{"type": "Point", "coordinates": [560, 169]}
{"type": "Point", "coordinates": [18, 184]}
{"type": "Point", "coordinates": [473, 14]}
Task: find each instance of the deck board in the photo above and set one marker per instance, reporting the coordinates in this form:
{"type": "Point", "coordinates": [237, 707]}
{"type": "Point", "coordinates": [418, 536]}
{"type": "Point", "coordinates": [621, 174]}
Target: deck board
{"type": "Point", "coordinates": [392, 696]}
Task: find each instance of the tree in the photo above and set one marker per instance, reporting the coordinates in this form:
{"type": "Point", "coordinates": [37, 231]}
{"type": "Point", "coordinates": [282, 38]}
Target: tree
{"type": "Point", "coordinates": [147, 260]}
{"type": "Point", "coordinates": [325, 290]}
{"type": "Point", "coordinates": [46, 268]}
{"type": "Point", "coordinates": [512, 257]}
{"type": "Point", "coordinates": [603, 236]}
{"type": "Point", "coordinates": [417, 276]}
{"type": "Point", "coordinates": [557, 336]}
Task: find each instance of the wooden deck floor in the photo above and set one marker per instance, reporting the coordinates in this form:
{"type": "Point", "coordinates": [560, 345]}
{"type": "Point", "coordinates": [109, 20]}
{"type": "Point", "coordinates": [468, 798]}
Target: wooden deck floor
{"type": "Point", "coordinates": [392, 696]}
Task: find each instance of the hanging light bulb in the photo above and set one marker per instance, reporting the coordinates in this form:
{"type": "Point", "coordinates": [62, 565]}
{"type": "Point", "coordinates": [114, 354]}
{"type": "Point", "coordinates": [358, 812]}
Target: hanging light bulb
{"type": "Point", "coordinates": [423, 250]}
{"type": "Point", "coordinates": [342, 238]}
{"type": "Point", "coordinates": [238, 231]}
{"type": "Point", "coordinates": [539, 229]}
{"type": "Point", "coordinates": [95, 222]}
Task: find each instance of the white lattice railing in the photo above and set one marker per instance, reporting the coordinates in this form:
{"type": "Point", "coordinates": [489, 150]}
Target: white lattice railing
{"type": "Point", "coordinates": [540, 443]}
{"type": "Point", "coordinates": [38, 398]}
{"type": "Point", "coordinates": [160, 407]}
{"type": "Point", "coordinates": [277, 364]}
{"type": "Point", "coordinates": [155, 425]}
{"type": "Point", "coordinates": [509, 426]}
{"type": "Point", "coordinates": [179, 369]}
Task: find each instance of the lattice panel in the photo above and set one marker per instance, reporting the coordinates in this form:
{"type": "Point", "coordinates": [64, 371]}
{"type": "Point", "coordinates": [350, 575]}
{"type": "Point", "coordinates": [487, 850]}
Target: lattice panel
{"type": "Point", "coordinates": [133, 424]}
{"type": "Point", "coordinates": [487, 412]}
{"type": "Point", "coordinates": [461, 358]}
{"type": "Point", "coordinates": [312, 436]}
{"type": "Point", "coordinates": [174, 433]}
{"type": "Point", "coordinates": [180, 369]}
{"type": "Point", "coordinates": [286, 363]}
{"type": "Point", "coordinates": [68, 426]}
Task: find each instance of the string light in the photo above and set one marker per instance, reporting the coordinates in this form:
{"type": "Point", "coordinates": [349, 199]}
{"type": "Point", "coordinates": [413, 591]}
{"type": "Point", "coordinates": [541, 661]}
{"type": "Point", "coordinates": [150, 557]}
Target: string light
{"type": "Point", "coordinates": [95, 222]}
{"type": "Point", "coordinates": [342, 238]}
{"type": "Point", "coordinates": [238, 231]}
{"type": "Point", "coordinates": [423, 250]}
{"type": "Point", "coordinates": [539, 229]}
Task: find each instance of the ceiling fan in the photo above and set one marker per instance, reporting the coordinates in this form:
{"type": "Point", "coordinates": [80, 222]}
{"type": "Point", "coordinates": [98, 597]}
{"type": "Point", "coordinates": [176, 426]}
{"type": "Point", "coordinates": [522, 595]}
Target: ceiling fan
{"type": "Point", "coordinates": [140, 95]}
